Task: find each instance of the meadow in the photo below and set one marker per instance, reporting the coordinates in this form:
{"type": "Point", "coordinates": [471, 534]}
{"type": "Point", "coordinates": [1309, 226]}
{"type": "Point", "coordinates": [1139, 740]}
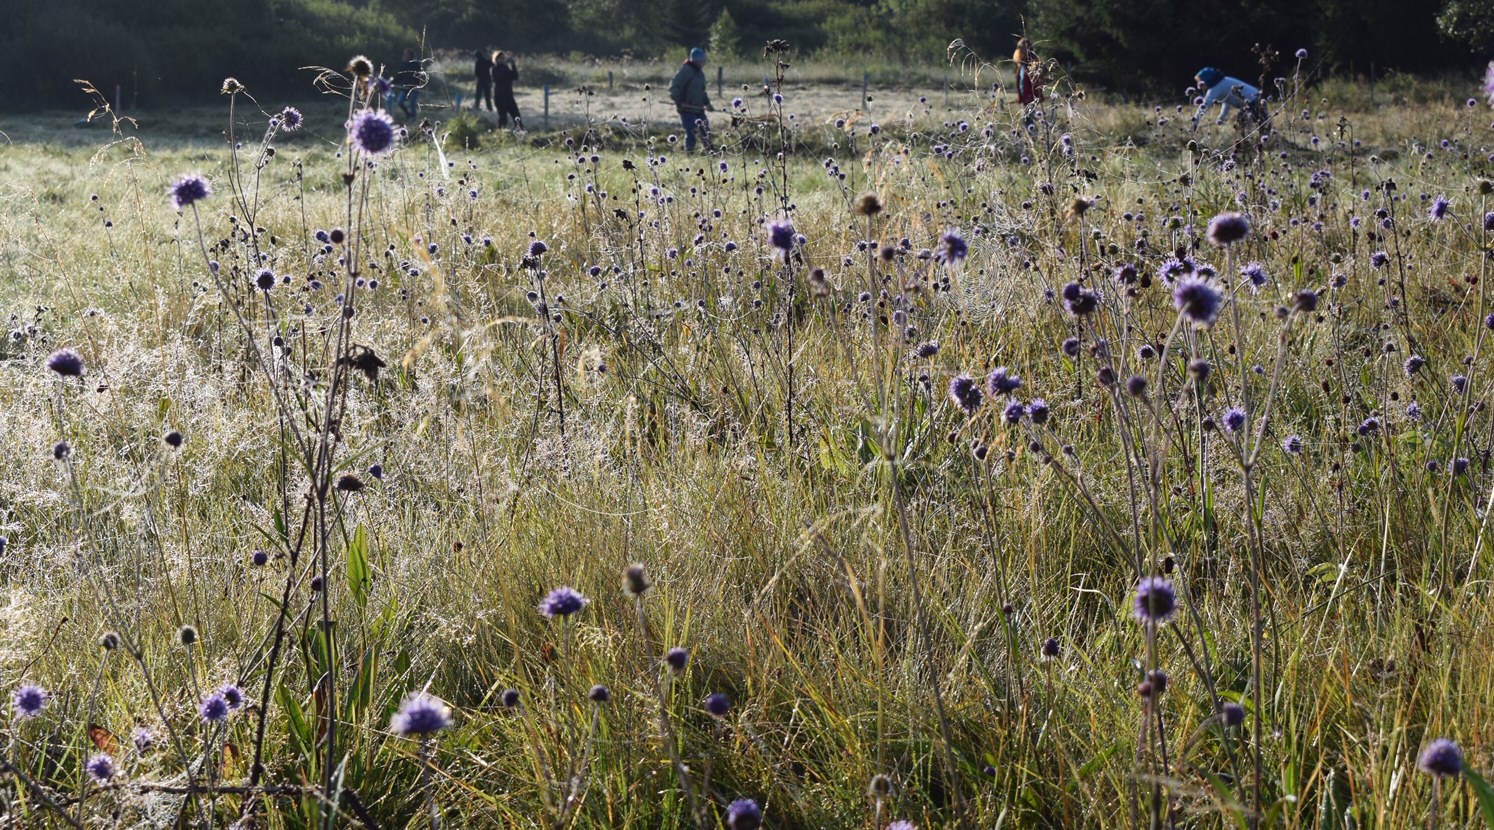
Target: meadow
{"type": "Point", "coordinates": [922, 469]}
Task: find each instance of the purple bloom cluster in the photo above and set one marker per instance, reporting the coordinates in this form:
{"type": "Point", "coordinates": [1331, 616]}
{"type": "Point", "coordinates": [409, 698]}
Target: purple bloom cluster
{"type": "Point", "coordinates": [420, 715]}
{"type": "Point", "coordinates": [562, 602]}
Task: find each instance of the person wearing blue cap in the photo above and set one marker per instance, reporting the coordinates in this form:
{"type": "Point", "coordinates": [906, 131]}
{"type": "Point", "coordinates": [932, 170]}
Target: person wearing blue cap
{"type": "Point", "coordinates": [1227, 92]}
{"type": "Point", "coordinates": [688, 91]}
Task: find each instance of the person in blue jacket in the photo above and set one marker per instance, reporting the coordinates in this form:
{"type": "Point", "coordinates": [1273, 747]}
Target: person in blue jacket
{"type": "Point", "coordinates": [1227, 92]}
{"type": "Point", "coordinates": [688, 91]}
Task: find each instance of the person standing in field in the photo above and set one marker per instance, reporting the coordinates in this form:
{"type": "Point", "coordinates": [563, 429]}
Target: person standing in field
{"type": "Point", "coordinates": [1029, 73]}
{"type": "Point", "coordinates": [483, 71]}
{"type": "Point", "coordinates": [1227, 92]}
{"type": "Point", "coordinates": [505, 72]}
{"type": "Point", "coordinates": [408, 83]}
{"type": "Point", "coordinates": [688, 91]}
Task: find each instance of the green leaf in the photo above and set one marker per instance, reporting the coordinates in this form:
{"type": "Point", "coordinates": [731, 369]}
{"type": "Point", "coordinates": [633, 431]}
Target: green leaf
{"type": "Point", "coordinates": [1485, 795]}
{"type": "Point", "coordinates": [359, 575]}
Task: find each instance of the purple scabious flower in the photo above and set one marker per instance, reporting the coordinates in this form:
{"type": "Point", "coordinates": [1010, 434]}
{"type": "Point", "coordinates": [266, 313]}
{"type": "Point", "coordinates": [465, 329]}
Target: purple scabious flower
{"type": "Point", "coordinates": [1379, 259]}
{"type": "Point", "coordinates": [1173, 269]}
{"type": "Point", "coordinates": [1155, 600]}
{"type": "Point", "coordinates": [1255, 273]}
{"type": "Point", "coordinates": [1013, 412]}
{"type": "Point", "coordinates": [744, 814]}
{"type": "Point", "coordinates": [1198, 301]}
{"type": "Point", "coordinates": [965, 393]}
{"type": "Point", "coordinates": [420, 715]}
{"type": "Point", "coordinates": [187, 189]}
{"type": "Point", "coordinates": [1414, 363]}
{"type": "Point", "coordinates": [66, 363]}
{"type": "Point", "coordinates": [717, 705]}
{"type": "Point", "coordinates": [1078, 300]}
{"type": "Point", "coordinates": [1002, 382]}
{"type": "Point", "coordinates": [537, 248]}
{"type": "Point", "coordinates": [1050, 649]}
{"type": "Point", "coordinates": [1458, 466]}
{"type": "Point", "coordinates": [1228, 228]}
{"type": "Point", "coordinates": [372, 133]}
{"type": "Point", "coordinates": [677, 658]}
{"type": "Point", "coordinates": [1070, 346]}
{"type": "Point", "coordinates": [1234, 419]}
{"type": "Point", "coordinates": [1292, 444]}
{"type": "Point", "coordinates": [1459, 383]}
{"type": "Point", "coordinates": [1038, 411]}
{"type": "Point", "coordinates": [902, 824]}
{"type": "Point", "coordinates": [1441, 757]}
{"type": "Point", "coordinates": [290, 119]}
{"type": "Point", "coordinates": [599, 694]}
{"type": "Point", "coordinates": [1301, 54]}
{"type": "Point", "coordinates": [1232, 714]}
{"type": "Point", "coordinates": [928, 349]}
{"type": "Point", "coordinates": [232, 695]}
{"type": "Point", "coordinates": [562, 602]}
{"type": "Point", "coordinates": [214, 708]}
{"type": "Point", "coordinates": [1438, 208]}
{"type": "Point", "coordinates": [509, 698]}
{"type": "Point", "coordinates": [29, 701]}
{"type": "Point", "coordinates": [781, 235]}
{"type": "Point", "coordinates": [264, 280]}
{"type": "Point", "coordinates": [1369, 426]}
{"type": "Point", "coordinates": [144, 740]}
{"type": "Point", "coordinates": [952, 248]}
{"type": "Point", "coordinates": [100, 767]}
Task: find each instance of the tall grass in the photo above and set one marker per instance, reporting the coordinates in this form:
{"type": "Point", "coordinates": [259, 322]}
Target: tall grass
{"type": "Point", "coordinates": [476, 376]}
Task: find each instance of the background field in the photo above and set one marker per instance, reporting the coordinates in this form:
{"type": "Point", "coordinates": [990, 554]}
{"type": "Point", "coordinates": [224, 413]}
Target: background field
{"type": "Point", "coordinates": [868, 572]}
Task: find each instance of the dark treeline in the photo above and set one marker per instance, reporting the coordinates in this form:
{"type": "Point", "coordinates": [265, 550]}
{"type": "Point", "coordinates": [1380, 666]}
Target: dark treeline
{"type": "Point", "coordinates": [177, 49]}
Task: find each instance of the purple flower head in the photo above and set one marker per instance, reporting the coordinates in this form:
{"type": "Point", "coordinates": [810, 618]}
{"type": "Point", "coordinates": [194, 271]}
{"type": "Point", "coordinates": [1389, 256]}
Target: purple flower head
{"type": "Point", "coordinates": [1136, 386]}
{"type": "Point", "coordinates": [1414, 363]}
{"type": "Point", "coordinates": [677, 658]}
{"type": "Point", "coordinates": [1292, 444]}
{"type": "Point", "coordinates": [1459, 383]}
{"type": "Point", "coordinates": [29, 701]}
{"type": "Point", "coordinates": [509, 698]}
{"type": "Point", "coordinates": [537, 247]}
{"type": "Point", "coordinates": [902, 824]}
{"type": "Point", "coordinates": [187, 189]}
{"type": "Point", "coordinates": [290, 119]}
{"type": "Point", "coordinates": [232, 695]}
{"type": "Point", "coordinates": [264, 280]}
{"type": "Point", "coordinates": [744, 814]}
{"type": "Point", "coordinates": [214, 709]}
{"type": "Point", "coordinates": [1438, 208]}
{"type": "Point", "coordinates": [1155, 600]}
{"type": "Point", "coordinates": [421, 714]}
{"type": "Point", "coordinates": [1198, 301]}
{"type": "Point", "coordinates": [1174, 269]}
{"type": "Point", "coordinates": [1232, 714]}
{"type": "Point", "coordinates": [1301, 54]}
{"type": "Point", "coordinates": [952, 248]}
{"type": "Point", "coordinates": [1002, 382]}
{"type": "Point", "coordinates": [1013, 412]}
{"type": "Point", "coordinates": [1234, 419]}
{"type": "Point", "coordinates": [372, 133]}
{"type": "Point", "coordinates": [1070, 346]}
{"type": "Point", "coordinates": [781, 235]}
{"type": "Point", "coordinates": [66, 362]}
{"type": "Point", "coordinates": [144, 740]}
{"type": "Point", "coordinates": [1441, 757]}
{"type": "Point", "coordinates": [965, 393]}
{"type": "Point", "coordinates": [1379, 259]}
{"type": "Point", "coordinates": [1078, 300]}
{"type": "Point", "coordinates": [1228, 228]}
{"type": "Point", "coordinates": [100, 767]}
{"type": "Point", "coordinates": [1369, 426]}
{"type": "Point", "coordinates": [1255, 273]}
{"type": "Point", "coordinates": [1050, 648]}
{"type": "Point", "coordinates": [926, 350]}
{"type": "Point", "coordinates": [717, 705]}
{"type": "Point", "coordinates": [1038, 411]}
{"type": "Point", "coordinates": [562, 602]}
{"type": "Point", "coordinates": [599, 694]}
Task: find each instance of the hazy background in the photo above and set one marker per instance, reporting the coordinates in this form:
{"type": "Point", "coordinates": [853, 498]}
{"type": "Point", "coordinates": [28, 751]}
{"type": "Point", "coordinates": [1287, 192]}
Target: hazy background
{"type": "Point", "coordinates": [176, 51]}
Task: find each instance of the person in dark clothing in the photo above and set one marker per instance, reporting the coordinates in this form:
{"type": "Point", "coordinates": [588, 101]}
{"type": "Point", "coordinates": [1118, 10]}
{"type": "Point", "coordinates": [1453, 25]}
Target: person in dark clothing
{"type": "Point", "coordinates": [688, 91]}
{"type": "Point", "coordinates": [408, 82]}
{"type": "Point", "coordinates": [483, 70]}
{"type": "Point", "coordinates": [505, 72]}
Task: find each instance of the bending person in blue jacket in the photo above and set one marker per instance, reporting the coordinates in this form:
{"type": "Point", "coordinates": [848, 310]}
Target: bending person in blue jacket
{"type": "Point", "coordinates": [688, 91]}
{"type": "Point", "coordinates": [1227, 92]}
